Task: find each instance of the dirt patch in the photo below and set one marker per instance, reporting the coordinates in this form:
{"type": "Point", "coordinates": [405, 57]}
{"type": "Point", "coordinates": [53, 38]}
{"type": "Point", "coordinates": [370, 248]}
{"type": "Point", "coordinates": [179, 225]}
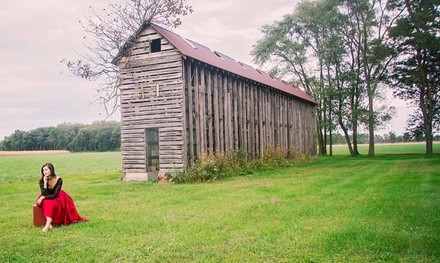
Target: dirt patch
{"type": "Point", "coordinates": [16, 153]}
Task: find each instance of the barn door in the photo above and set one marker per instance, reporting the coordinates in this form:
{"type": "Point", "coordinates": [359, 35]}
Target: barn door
{"type": "Point", "coordinates": [152, 151]}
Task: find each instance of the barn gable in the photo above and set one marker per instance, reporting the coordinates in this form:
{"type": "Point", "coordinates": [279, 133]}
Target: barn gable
{"type": "Point", "coordinates": [202, 53]}
{"type": "Point", "coordinates": [180, 101]}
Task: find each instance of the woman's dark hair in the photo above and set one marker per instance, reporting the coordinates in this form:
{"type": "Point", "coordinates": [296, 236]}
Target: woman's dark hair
{"type": "Point", "coordinates": [52, 171]}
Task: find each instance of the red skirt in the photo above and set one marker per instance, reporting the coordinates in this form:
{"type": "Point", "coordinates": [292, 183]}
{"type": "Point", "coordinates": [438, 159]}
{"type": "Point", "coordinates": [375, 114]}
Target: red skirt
{"type": "Point", "coordinates": [61, 209]}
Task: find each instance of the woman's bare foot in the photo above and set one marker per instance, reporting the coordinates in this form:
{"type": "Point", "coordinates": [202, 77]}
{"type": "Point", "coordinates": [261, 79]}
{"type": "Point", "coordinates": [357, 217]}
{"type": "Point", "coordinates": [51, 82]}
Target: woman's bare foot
{"type": "Point", "coordinates": [47, 228]}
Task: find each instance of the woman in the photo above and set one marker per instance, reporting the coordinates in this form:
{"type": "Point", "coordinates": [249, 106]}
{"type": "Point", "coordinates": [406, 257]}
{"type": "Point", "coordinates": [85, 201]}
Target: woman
{"type": "Point", "coordinates": [57, 205]}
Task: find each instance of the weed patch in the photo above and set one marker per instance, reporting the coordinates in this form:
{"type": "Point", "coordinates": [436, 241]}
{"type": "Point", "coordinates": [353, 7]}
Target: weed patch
{"type": "Point", "coordinates": [214, 167]}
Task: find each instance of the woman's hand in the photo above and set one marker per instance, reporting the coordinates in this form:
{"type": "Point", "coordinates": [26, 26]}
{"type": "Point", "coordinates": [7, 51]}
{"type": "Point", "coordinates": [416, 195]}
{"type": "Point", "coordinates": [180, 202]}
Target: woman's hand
{"type": "Point", "coordinates": [39, 200]}
{"type": "Point", "coordinates": [45, 179]}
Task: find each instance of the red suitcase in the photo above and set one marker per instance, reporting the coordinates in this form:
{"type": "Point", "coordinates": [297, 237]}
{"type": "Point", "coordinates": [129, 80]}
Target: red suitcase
{"type": "Point", "coordinates": [39, 219]}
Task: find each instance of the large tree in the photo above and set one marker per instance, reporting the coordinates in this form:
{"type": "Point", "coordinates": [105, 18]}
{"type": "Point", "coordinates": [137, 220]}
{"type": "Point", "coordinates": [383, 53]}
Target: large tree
{"type": "Point", "coordinates": [296, 47]}
{"type": "Point", "coordinates": [416, 75]}
{"type": "Point", "coordinates": [338, 51]}
{"type": "Point", "coordinates": [106, 33]}
{"type": "Point", "coordinates": [371, 21]}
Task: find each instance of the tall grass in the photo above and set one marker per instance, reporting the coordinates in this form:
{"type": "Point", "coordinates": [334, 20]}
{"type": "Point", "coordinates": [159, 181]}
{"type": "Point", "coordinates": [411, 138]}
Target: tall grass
{"type": "Point", "coordinates": [334, 209]}
{"type": "Point", "coordinates": [210, 168]}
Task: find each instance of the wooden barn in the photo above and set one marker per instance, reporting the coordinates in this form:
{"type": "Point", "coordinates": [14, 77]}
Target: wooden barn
{"type": "Point", "coordinates": [180, 101]}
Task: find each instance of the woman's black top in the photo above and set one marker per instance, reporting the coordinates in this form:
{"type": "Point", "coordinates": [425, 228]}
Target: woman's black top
{"type": "Point", "coordinates": [51, 193]}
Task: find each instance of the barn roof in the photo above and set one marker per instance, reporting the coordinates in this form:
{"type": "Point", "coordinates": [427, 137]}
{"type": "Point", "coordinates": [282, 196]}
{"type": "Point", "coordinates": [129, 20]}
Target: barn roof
{"type": "Point", "coordinates": [202, 53]}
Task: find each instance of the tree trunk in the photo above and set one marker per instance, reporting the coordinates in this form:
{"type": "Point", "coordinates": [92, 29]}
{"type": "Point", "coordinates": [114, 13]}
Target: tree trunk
{"type": "Point", "coordinates": [428, 139]}
{"type": "Point", "coordinates": [330, 128]}
{"type": "Point", "coordinates": [347, 137]}
{"type": "Point", "coordinates": [321, 146]}
{"type": "Point", "coordinates": [427, 112]}
{"type": "Point", "coordinates": [355, 144]}
{"type": "Point", "coordinates": [370, 125]}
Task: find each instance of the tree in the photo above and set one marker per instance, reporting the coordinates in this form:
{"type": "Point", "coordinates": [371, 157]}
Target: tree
{"type": "Point", "coordinates": [344, 85]}
{"type": "Point", "coordinates": [329, 47]}
{"type": "Point", "coordinates": [416, 75]}
{"type": "Point", "coordinates": [372, 22]}
{"type": "Point", "coordinates": [393, 137]}
{"type": "Point", "coordinates": [107, 33]}
{"type": "Point", "coordinates": [297, 46]}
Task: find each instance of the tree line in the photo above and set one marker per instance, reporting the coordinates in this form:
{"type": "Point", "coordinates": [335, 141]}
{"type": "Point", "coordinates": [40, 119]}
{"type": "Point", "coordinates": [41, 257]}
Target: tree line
{"type": "Point", "coordinates": [98, 136]}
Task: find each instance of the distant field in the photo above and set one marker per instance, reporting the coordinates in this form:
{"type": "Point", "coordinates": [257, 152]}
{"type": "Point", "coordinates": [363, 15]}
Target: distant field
{"type": "Point", "coordinates": [23, 166]}
{"type": "Point", "coordinates": [12, 153]}
{"type": "Point", "coordinates": [334, 209]}
{"type": "Point", "coordinates": [388, 148]}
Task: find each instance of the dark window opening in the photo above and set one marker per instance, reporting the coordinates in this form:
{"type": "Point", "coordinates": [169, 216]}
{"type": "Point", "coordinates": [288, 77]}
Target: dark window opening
{"type": "Point", "coordinates": [155, 45]}
{"type": "Point", "coordinates": [152, 149]}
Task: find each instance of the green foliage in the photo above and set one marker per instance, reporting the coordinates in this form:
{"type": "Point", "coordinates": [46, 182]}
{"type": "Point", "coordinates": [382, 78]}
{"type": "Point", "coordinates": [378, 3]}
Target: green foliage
{"type": "Point", "coordinates": [415, 75]}
{"type": "Point", "coordinates": [211, 167]}
{"type": "Point", "coordinates": [98, 136]}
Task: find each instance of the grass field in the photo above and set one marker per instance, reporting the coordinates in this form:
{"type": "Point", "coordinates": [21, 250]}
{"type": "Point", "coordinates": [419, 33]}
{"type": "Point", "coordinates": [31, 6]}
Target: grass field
{"type": "Point", "coordinates": [335, 209]}
{"type": "Point", "coordinates": [390, 148]}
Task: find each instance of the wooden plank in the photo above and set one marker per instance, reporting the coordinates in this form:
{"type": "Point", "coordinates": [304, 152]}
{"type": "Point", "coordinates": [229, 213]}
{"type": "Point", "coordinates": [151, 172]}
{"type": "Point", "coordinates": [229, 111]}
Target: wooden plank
{"type": "Point", "coordinates": [228, 118]}
{"type": "Point", "coordinates": [151, 64]}
{"type": "Point", "coordinates": [257, 122]}
{"type": "Point", "coordinates": [235, 113]}
{"type": "Point", "coordinates": [196, 112]}
{"type": "Point", "coordinates": [202, 116]}
{"type": "Point", "coordinates": [240, 124]}
{"type": "Point", "coordinates": [209, 117]}
{"type": "Point", "coordinates": [261, 122]}
{"type": "Point", "coordinates": [216, 114]}
{"type": "Point", "coordinates": [190, 116]}
{"type": "Point", "coordinates": [245, 118]}
{"type": "Point", "coordinates": [221, 112]}
{"type": "Point", "coordinates": [251, 122]}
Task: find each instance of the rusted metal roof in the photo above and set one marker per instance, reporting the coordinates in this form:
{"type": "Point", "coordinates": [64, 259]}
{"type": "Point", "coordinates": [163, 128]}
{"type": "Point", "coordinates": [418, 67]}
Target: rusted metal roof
{"type": "Point", "coordinates": [197, 51]}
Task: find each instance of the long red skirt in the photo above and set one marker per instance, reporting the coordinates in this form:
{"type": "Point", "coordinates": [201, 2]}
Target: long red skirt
{"type": "Point", "coordinates": [61, 209]}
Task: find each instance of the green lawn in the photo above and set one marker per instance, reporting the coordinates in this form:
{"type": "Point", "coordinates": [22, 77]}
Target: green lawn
{"type": "Point", "coordinates": [392, 148]}
{"type": "Point", "coordinates": [335, 209]}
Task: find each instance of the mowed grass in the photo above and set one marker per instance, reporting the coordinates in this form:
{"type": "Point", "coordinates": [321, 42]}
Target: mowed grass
{"type": "Point", "coordinates": [389, 148]}
{"type": "Point", "coordinates": [335, 209]}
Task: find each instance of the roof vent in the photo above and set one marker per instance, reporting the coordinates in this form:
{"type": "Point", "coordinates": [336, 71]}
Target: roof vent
{"type": "Point", "coordinates": [219, 54]}
{"type": "Point", "coordinates": [188, 42]}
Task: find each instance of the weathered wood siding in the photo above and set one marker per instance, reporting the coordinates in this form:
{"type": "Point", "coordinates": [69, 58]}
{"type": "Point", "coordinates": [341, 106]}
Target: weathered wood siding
{"type": "Point", "coordinates": [228, 112]}
{"type": "Point", "coordinates": [199, 109]}
{"type": "Point", "coordinates": [151, 93]}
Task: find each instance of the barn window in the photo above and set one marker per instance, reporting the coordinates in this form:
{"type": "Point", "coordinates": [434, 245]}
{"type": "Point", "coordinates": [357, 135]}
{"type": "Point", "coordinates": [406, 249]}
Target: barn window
{"type": "Point", "coordinates": [152, 149]}
{"type": "Point", "coordinates": [155, 45]}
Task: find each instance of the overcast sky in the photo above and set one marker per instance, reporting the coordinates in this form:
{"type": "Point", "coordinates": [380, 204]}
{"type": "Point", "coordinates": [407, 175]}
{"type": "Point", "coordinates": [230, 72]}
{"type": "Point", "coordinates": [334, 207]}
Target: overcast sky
{"type": "Point", "coordinates": [35, 89]}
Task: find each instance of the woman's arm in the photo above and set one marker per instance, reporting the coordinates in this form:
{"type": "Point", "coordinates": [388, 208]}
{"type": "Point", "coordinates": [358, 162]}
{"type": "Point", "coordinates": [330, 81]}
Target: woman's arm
{"type": "Point", "coordinates": [56, 190]}
{"type": "Point", "coordinates": [43, 188]}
